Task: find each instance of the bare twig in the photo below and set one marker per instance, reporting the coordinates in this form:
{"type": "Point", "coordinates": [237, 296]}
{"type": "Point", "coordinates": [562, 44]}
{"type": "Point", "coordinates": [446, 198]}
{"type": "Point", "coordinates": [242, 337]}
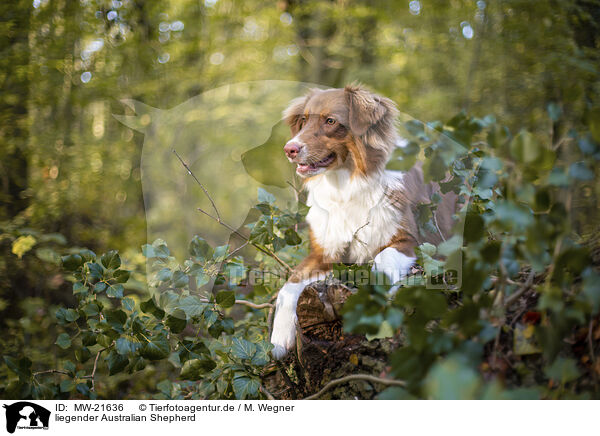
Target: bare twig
{"type": "Point", "coordinates": [438, 227]}
{"type": "Point", "coordinates": [245, 303]}
{"type": "Point", "coordinates": [258, 247]}
{"type": "Point", "coordinates": [591, 341]}
{"type": "Point", "coordinates": [50, 371]}
{"type": "Point", "coordinates": [93, 374]}
{"type": "Point", "coordinates": [218, 219]}
{"type": "Point", "coordinates": [200, 184]}
{"type": "Point", "coordinates": [268, 394]}
{"type": "Point", "coordinates": [524, 288]}
{"type": "Point", "coordinates": [366, 377]}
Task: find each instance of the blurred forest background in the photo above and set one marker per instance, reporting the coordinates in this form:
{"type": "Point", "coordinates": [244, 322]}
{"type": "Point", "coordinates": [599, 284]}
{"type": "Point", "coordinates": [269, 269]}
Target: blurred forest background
{"type": "Point", "coordinates": [70, 172]}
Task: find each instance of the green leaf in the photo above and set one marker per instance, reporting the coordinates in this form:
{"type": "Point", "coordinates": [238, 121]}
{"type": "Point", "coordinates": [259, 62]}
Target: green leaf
{"type": "Point", "coordinates": [261, 357]}
{"type": "Point", "coordinates": [67, 385]}
{"type": "Point", "coordinates": [91, 309]}
{"type": "Point", "coordinates": [242, 348]}
{"type": "Point", "coordinates": [128, 304]}
{"type": "Point", "coordinates": [63, 341]}
{"type": "Point", "coordinates": [158, 348]}
{"type": "Point", "coordinates": [121, 276]}
{"type": "Point", "coordinates": [111, 260]}
{"type": "Point", "coordinates": [245, 387]}
{"type": "Point", "coordinates": [100, 287]}
{"type": "Point", "coordinates": [563, 370]}
{"type": "Point", "coordinates": [291, 237]}
{"type": "Point", "coordinates": [21, 367]}
{"type": "Point", "coordinates": [265, 197]}
{"type": "Point", "coordinates": [71, 262]}
{"type": "Point", "coordinates": [88, 339]}
{"type": "Point", "coordinates": [115, 291]}
{"type": "Point", "coordinates": [192, 306]}
{"type": "Point", "coordinates": [452, 379]}
{"type": "Point", "coordinates": [127, 344]}
{"type": "Point", "coordinates": [176, 321]}
{"type": "Point", "coordinates": [179, 279]}
{"type": "Point", "coordinates": [82, 354]}
{"type": "Point", "coordinates": [225, 299]}
{"type": "Point", "coordinates": [194, 369]}
{"type": "Point", "coordinates": [150, 307]}
{"type": "Point", "coordinates": [116, 362]}
{"type": "Point", "coordinates": [200, 249]}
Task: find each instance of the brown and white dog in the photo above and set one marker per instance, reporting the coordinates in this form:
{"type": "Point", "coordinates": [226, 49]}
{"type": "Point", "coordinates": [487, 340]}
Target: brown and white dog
{"type": "Point", "coordinates": [342, 140]}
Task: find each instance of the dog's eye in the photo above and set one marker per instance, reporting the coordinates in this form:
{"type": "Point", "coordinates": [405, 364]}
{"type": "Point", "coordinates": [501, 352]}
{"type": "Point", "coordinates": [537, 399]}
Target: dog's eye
{"type": "Point", "coordinates": [330, 121]}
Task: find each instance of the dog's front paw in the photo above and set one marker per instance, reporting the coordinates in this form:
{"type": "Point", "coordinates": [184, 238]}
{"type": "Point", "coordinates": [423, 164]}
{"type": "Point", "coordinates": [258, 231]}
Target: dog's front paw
{"type": "Point", "coordinates": [283, 337]}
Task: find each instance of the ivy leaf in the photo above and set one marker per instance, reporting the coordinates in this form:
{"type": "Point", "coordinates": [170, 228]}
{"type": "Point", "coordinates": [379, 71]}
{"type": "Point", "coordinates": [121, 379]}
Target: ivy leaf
{"type": "Point", "coordinates": [242, 348]}
{"type": "Point", "coordinates": [261, 357]}
{"type": "Point", "coordinates": [245, 387]}
{"type": "Point", "coordinates": [194, 369]}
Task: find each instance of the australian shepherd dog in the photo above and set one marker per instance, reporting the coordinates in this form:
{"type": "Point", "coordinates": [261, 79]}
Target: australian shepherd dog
{"type": "Point", "coordinates": [359, 211]}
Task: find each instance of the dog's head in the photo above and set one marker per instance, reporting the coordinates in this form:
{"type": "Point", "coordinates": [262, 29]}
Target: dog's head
{"type": "Point", "coordinates": [340, 128]}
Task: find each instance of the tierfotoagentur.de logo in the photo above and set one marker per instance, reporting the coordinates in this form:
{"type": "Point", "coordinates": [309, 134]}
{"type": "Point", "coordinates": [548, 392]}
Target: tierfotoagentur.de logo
{"type": "Point", "coordinates": [25, 415]}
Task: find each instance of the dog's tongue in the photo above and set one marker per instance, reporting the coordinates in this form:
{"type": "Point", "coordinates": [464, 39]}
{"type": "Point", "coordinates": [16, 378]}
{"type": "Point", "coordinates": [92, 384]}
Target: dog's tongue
{"type": "Point", "coordinates": [306, 168]}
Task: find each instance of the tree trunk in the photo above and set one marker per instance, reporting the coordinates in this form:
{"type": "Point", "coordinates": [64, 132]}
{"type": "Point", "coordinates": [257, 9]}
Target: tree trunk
{"type": "Point", "coordinates": [324, 352]}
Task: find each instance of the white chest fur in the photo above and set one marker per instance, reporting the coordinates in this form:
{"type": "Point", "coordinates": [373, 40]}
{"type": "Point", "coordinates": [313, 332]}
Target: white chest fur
{"type": "Point", "coordinates": [351, 217]}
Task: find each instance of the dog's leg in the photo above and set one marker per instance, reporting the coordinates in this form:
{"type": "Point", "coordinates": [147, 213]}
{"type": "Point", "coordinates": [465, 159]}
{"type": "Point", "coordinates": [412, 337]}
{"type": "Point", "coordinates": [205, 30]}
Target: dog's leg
{"type": "Point", "coordinates": [311, 269]}
{"type": "Point", "coordinates": [394, 264]}
{"type": "Point", "coordinates": [284, 324]}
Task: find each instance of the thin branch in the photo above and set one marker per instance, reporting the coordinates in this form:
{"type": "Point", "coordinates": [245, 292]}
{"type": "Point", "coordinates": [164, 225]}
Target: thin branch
{"type": "Point", "coordinates": [200, 184]}
{"type": "Point", "coordinates": [366, 377]}
{"type": "Point", "coordinates": [258, 247]}
{"type": "Point", "coordinates": [236, 250]}
{"type": "Point", "coordinates": [591, 341]}
{"type": "Point", "coordinates": [438, 227]}
{"type": "Point", "coordinates": [268, 394]}
{"type": "Point", "coordinates": [245, 303]}
{"type": "Point", "coordinates": [218, 219]}
{"type": "Point", "coordinates": [51, 371]}
{"type": "Point", "coordinates": [524, 288]}
{"type": "Point", "coordinates": [93, 374]}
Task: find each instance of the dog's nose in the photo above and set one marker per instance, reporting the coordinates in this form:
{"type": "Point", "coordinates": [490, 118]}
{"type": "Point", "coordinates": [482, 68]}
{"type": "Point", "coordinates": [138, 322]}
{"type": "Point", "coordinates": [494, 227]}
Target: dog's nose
{"type": "Point", "coordinates": [291, 149]}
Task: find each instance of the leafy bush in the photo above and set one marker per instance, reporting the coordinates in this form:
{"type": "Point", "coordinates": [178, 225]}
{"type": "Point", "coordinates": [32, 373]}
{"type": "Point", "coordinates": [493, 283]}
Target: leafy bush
{"type": "Point", "coordinates": [524, 323]}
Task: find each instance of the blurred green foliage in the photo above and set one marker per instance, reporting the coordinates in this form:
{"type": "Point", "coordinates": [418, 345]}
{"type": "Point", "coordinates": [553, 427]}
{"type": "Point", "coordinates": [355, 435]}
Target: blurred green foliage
{"type": "Point", "coordinates": [70, 177]}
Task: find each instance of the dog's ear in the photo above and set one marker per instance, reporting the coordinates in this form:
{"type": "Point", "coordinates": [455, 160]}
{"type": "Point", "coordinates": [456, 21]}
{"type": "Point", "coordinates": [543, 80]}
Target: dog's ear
{"type": "Point", "coordinates": [294, 112]}
{"type": "Point", "coordinates": [366, 109]}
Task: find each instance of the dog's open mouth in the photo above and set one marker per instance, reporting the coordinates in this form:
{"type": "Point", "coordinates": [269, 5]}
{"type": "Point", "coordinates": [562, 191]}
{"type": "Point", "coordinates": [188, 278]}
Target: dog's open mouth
{"type": "Point", "coordinates": [307, 168]}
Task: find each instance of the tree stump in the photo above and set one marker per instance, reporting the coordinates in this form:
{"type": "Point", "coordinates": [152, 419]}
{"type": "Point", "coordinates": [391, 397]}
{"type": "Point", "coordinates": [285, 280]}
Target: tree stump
{"type": "Point", "coordinates": [325, 352]}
